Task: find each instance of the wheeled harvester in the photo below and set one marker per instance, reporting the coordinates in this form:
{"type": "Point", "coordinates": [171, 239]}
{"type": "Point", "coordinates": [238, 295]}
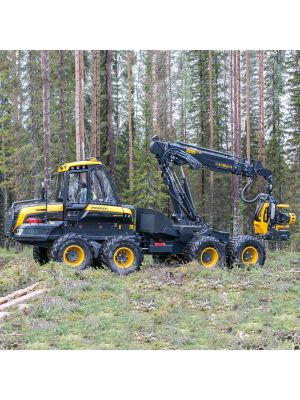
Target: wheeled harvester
{"type": "Point", "coordinates": [88, 225]}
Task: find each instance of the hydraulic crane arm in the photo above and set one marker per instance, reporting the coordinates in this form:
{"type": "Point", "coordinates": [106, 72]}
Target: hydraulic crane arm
{"type": "Point", "coordinates": [195, 157]}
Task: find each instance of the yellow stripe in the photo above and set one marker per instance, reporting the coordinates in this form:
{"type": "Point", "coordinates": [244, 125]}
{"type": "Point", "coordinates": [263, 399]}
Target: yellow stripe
{"type": "Point", "coordinates": [193, 151]}
{"type": "Point", "coordinates": [67, 166]}
{"type": "Point", "coordinates": [37, 210]}
{"type": "Point", "coordinates": [104, 208]}
{"type": "Point", "coordinates": [59, 208]}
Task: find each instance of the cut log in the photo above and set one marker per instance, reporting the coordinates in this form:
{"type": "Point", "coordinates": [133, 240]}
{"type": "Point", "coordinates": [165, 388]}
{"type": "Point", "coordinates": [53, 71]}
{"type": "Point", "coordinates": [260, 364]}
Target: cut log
{"type": "Point", "coordinates": [18, 293]}
{"type": "Point", "coordinates": [22, 299]}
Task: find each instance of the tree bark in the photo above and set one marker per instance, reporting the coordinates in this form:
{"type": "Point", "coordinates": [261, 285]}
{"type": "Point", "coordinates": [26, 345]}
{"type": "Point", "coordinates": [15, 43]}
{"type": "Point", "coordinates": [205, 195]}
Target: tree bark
{"type": "Point", "coordinates": [130, 144]}
{"type": "Point", "coordinates": [111, 162]}
{"type": "Point", "coordinates": [157, 93]}
{"type": "Point", "coordinates": [46, 119]}
{"type": "Point", "coordinates": [61, 73]}
{"type": "Point", "coordinates": [211, 110]}
{"type": "Point", "coordinates": [239, 144]}
{"type": "Point", "coordinates": [18, 293]}
{"type": "Point", "coordinates": [95, 151]}
{"type": "Point", "coordinates": [231, 103]}
{"type": "Point", "coordinates": [248, 132]}
{"type": "Point", "coordinates": [171, 100]}
{"type": "Point", "coordinates": [79, 104]}
{"type": "Point", "coordinates": [165, 93]}
{"type": "Point", "coordinates": [236, 109]}
{"type": "Point", "coordinates": [15, 88]}
{"type": "Point", "coordinates": [261, 131]}
{"type": "Point", "coordinates": [22, 299]}
{"type": "Point", "coordinates": [150, 98]}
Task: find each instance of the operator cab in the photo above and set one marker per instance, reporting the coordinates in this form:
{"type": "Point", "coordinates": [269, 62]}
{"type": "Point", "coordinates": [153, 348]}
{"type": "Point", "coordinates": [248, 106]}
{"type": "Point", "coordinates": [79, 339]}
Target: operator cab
{"type": "Point", "coordinates": [84, 182]}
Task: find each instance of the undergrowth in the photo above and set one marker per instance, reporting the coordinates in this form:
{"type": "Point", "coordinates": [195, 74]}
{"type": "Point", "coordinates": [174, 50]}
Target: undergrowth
{"type": "Point", "coordinates": [157, 308]}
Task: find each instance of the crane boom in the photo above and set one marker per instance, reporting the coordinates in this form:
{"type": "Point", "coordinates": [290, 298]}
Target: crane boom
{"type": "Point", "coordinates": [194, 156]}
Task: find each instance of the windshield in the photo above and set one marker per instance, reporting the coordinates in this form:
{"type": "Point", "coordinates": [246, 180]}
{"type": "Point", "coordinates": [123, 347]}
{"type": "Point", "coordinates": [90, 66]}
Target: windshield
{"type": "Point", "coordinates": [101, 188]}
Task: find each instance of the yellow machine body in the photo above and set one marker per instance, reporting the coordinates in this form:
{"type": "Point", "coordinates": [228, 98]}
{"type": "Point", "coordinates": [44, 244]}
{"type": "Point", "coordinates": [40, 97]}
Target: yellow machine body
{"type": "Point", "coordinates": [261, 221]}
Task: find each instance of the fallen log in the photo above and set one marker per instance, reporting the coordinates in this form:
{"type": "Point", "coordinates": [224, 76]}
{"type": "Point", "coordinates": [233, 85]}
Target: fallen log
{"type": "Point", "coordinates": [22, 299]}
{"type": "Point", "coordinates": [18, 293]}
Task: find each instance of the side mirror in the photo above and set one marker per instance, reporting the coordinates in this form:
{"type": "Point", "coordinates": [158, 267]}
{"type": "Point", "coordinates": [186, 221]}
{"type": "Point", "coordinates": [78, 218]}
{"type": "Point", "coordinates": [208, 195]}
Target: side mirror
{"type": "Point", "coordinates": [43, 190]}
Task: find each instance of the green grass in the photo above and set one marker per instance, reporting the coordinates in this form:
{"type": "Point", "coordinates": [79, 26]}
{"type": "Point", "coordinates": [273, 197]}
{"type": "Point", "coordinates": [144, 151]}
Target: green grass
{"type": "Point", "coordinates": [157, 308]}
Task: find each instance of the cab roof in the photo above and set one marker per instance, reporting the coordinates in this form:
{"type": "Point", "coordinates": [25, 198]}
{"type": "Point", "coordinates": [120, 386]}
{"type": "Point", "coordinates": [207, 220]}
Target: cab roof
{"type": "Point", "coordinates": [79, 164]}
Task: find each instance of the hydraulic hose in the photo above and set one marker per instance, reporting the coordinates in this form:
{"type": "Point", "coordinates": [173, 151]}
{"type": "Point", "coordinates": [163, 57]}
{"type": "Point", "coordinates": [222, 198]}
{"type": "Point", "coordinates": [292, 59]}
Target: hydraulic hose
{"type": "Point", "coordinates": [248, 201]}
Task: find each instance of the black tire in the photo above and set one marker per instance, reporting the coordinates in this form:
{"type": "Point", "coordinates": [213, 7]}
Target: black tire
{"type": "Point", "coordinates": [40, 255]}
{"type": "Point", "coordinates": [207, 250]}
{"type": "Point", "coordinates": [122, 255]}
{"type": "Point", "coordinates": [73, 250]}
{"type": "Point", "coordinates": [245, 251]}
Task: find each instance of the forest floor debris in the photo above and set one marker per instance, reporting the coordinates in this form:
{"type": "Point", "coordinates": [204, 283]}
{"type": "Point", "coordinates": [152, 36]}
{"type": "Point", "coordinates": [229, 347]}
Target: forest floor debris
{"type": "Point", "coordinates": [160, 307]}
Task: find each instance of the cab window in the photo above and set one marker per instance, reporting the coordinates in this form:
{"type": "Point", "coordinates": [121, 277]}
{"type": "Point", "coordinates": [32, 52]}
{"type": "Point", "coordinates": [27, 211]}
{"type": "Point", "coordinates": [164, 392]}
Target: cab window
{"type": "Point", "coordinates": [60, 187]}
{"type": "Point", "coordinates": [101, 188]}
{"type": "Point", "coordinates": [77, 188]}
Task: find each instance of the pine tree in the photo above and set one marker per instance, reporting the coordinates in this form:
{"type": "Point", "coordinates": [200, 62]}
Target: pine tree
{"type": "Point", "coordinates": [275, 119]}
{"type": "Point", "coordinates": [170, 98]}
{"type": "Point", "coordinates": [79, 105]}
{"type": "Point", "coordinates": [130, 140]}
{"type": "Point", "coordinates": [62, 104]}
{"type": "Point", "coordinates": [248, 132]}
{"type": "Point", "coordinates": [46, 118]}
{"type": "Point", "coordinates": [111, 158]}
{"type": "Point", "coordinates": [211, 133]}
{"type": "Point", "coordinates": [95, 103]}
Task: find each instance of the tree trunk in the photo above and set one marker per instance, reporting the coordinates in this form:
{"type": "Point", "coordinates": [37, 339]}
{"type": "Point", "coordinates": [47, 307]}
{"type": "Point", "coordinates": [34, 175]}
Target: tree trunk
{"type": "Point", "coordinates": [95, 151]}
{"type": "Point", "coordinates": [61, 73]}
{"type": "Point", "coordinates": [231, 103]}
{"type": "Point", "coordinates": [261, 133]}
{"type": "Point", "coordinates": [111, 162]}
{"type": "Point", "coordinates": [239, 133]}
{"type": "Point", "coordinates": [211, 110]}
{"type": "Point", "coordinates": [165, 93]}
{"type": "Point", "coordinates": [248, 132]}
{"type": "Point", "coordinates": [150, 98]}
{"type": "Point", "coordinates": [171, 100]}
{"type": "Point", "coordinates": [79, 104]}
{"type": "Point", "coordinates": [235, 182]}
{"type": "Point", "coordinates": [157, 94]}
{"type": "Point", "coordinates": [130, 145]}
{"type": "Point", "coordinates": [116, 105]}
{"type": "Point", "coordinates": [46, 118]}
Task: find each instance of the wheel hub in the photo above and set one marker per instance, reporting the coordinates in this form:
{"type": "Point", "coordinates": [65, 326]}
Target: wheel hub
{"type": "Point", "coordinates": [72, 255]}
{"type": "Point", "coordinates": [207, 257]}
{"type": "Point", "coordinates": [250, 255]}
{"type": "Point", "coordinates": [124, 257]}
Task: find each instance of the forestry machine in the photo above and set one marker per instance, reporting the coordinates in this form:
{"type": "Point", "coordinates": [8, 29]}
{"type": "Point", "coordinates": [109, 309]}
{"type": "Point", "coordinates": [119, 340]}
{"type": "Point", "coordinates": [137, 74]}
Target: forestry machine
{"type": "Point", "coordinates": [87, 225]}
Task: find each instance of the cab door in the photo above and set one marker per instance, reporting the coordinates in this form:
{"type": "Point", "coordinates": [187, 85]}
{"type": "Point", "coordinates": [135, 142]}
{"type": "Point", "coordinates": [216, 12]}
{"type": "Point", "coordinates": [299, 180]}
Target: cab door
{"type": "Point", "coordinates": [76, 194]}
